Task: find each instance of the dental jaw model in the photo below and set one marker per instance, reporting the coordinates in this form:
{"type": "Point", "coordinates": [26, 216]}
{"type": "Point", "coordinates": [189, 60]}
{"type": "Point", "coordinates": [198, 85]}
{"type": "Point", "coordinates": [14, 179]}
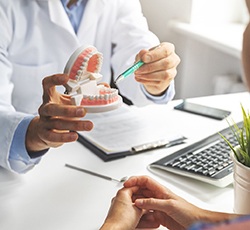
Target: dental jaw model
{"type": "Point", "coordinates": [83, 69]}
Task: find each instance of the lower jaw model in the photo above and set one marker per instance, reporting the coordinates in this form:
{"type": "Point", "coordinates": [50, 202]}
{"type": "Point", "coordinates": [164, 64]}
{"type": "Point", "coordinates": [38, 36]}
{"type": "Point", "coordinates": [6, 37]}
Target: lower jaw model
{"type": "Point", "coordinates": [83, 68]}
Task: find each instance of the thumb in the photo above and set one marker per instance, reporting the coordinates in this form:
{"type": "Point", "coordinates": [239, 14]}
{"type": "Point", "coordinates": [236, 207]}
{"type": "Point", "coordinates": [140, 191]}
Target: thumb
{"type": "Point", "coordinates": [49, 83]}
{"type": "Point", "coordinates": [152, 204]}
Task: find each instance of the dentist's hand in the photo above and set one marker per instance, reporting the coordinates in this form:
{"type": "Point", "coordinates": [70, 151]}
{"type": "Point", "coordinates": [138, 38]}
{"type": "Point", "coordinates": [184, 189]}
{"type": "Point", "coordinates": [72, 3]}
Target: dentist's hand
{"type": "Point", "coordinates": [159, 68]}
{"type": "Point", "coordinates": [58, 120]}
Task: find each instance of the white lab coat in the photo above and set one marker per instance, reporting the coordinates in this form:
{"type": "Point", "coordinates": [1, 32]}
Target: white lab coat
{"type": "Point", "coordinates": [36, 40]}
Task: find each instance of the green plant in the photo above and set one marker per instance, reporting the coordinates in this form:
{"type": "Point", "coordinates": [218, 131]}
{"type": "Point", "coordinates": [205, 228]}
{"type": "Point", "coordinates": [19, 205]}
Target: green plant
{"type": "Point", "coordinates": [242, 135]}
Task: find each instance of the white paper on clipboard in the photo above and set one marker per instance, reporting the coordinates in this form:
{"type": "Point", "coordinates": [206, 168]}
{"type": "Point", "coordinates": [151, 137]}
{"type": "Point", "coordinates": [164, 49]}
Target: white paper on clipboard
{"type": "Point", "coordinates": [126, 127]}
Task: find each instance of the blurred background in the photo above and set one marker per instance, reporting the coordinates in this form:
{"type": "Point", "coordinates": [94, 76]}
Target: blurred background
{"type": "Point", "coordinates": [207, 35]}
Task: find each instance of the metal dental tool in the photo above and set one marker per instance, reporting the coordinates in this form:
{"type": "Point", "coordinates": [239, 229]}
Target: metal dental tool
{"type": "Point", "coordinates": [123, 179]}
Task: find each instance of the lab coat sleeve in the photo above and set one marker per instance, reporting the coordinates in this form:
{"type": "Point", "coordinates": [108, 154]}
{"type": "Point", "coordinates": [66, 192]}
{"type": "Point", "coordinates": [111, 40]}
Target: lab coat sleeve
{"type": "Point", "coordinates": [9, 121]}
{"type": "Point", "coordinates": [130, 35]}
{"type": "Point", "coordinates": [19, 159]}
{"type": "Point", "coordinates": [9, 118]}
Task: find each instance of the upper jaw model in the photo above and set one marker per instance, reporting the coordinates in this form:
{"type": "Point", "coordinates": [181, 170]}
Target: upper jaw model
{"type": "Point", "coordinates": [83, 68]}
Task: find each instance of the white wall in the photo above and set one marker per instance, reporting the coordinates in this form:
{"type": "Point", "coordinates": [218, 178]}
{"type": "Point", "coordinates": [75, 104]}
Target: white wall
{"type": "Point", "coordinates": [200, 63]}
{"type": "Point", "coordinates": [214, 11]}
{"type": "Point", "coordinates": [160, 12]}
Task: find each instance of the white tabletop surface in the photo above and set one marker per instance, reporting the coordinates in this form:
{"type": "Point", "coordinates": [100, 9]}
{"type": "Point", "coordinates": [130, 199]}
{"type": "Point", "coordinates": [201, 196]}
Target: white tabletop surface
{"type": "Point", "coordinates": [52, 196]}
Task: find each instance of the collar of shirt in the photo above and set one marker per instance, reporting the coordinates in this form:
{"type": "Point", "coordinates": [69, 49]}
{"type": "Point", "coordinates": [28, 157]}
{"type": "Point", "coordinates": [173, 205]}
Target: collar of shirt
{"type": "Point", "coordinates": [75, 12]}
{"type": "Point", "coordinates": [65, 3]}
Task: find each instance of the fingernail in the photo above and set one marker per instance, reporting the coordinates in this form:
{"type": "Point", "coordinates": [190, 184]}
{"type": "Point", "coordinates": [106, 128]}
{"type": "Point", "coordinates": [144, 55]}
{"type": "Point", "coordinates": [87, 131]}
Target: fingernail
{"type": "Point", "coordinates": [139, 202]}
{"type": "Point", "coordinates": [80, 112]}
{"type": "Point", "coordinates": [88, 126]}
{"type": "Point", "coordinates": [147, 59]}
{"type": "Point", "coordinates": [64, 78]}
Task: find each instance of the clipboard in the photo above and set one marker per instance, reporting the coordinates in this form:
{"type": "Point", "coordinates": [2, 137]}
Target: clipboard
{"type": "Point", "coordinates": [127, 131]}
{"type": "Point", "coordinates": [134, 150]}
{"type": "Point", "coordinates": [99, 152]}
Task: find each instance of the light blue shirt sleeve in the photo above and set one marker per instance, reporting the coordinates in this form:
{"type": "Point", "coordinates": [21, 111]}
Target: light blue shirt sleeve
{"type": "Point", "coordinates": [163, 99]}
{"type": "Point", "coordinates": [19, 158]}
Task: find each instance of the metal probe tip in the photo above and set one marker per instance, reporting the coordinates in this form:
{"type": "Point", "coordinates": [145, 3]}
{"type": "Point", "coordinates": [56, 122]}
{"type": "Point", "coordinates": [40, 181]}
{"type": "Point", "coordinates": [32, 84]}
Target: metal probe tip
{"type": "Point", "coordinates": [119, 78]}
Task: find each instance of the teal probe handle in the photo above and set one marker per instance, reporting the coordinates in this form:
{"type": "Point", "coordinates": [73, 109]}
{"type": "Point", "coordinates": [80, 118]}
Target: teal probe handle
{"type": "Point", "coordinates": [132, 69]}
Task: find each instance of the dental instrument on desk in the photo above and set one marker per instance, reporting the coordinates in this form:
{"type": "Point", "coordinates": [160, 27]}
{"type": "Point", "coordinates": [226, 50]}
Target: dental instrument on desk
{"type": "Point", "coordinates": [123, 179]}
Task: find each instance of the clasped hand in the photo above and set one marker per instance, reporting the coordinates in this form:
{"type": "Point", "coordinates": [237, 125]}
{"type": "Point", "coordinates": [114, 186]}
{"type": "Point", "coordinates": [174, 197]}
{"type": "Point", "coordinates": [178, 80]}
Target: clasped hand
{"type": "Point", "coordinates": [144, 203]}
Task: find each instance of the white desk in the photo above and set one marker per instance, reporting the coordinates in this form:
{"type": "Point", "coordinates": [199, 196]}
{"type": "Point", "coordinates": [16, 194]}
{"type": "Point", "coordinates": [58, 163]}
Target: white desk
{"type": "Point", "coordinates": [52, 196]}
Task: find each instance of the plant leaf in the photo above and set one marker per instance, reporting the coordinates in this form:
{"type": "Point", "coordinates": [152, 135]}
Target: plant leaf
{"type": "Point", "coordinates": [242, 135]}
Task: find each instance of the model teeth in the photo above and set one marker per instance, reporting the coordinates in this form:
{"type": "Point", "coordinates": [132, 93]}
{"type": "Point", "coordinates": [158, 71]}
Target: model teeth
{"type": "Point", "coordinates": [110, 96]}
{"type": "Point", "coordinates": [82, 86]}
